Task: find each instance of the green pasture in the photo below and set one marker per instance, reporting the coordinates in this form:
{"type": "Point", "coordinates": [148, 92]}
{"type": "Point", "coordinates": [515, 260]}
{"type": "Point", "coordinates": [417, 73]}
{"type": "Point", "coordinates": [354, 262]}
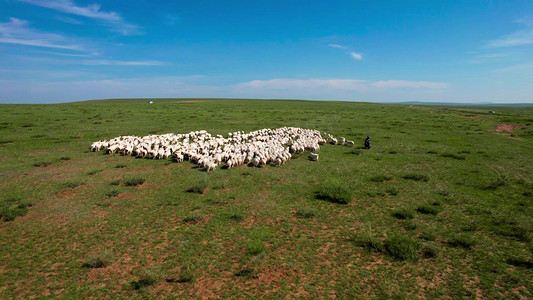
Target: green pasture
{"type": "Point", "coordinates": [439, 207]}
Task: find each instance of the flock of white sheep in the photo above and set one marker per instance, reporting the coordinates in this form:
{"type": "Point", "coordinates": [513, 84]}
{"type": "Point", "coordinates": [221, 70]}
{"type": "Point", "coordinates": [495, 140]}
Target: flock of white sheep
{"type": "Point", "coordinates": [257, 148]}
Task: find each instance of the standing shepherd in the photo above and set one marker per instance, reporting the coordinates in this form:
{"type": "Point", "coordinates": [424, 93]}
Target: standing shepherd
{"type": "Point", "coordinates": [367, 142]}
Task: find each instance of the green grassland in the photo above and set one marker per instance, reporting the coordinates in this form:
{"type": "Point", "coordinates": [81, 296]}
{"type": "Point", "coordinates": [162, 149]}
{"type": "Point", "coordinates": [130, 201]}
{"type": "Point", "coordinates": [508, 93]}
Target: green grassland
{"type": "Point", "coordinates": [440, 206]}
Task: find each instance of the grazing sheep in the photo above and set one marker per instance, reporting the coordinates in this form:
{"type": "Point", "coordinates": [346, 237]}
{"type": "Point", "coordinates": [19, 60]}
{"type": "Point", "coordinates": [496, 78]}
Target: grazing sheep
{"type": "Point", "coordinates": [260, 147]}
{"type": "Point", "coordinates": [313, 156]}
{"type": "Point", "coordinates": [350, 143]}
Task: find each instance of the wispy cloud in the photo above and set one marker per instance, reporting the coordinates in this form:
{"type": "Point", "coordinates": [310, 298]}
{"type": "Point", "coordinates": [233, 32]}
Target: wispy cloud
{"type": "Point", "coordinates": [102, 62]}
{"type": "Point", "coordinates": [518, 38]}
{"type": "Point", "coordinates": [516, 67]}
{"type": "Point", "coordinates": [68, 20]}
{"type": "Point", "coordinates": [339, 84]}
{"type": "Point", "coordinates": [336, 46]}
{"type": "Point", "coordinates": [409, 84]}
{"type": "Point", "coordinates": [17, 31]}
{"type": "Point", "coordinates": [356, 55]}
{"type": "Point", "coordinates": [91, 11]}
{"type": "Point", "coordinates": [494, 55]}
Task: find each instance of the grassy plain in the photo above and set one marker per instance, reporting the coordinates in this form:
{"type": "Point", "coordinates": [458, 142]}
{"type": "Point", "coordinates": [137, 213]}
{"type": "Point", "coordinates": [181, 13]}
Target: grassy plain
{"type": "Point", "coordinates": [441, 205]}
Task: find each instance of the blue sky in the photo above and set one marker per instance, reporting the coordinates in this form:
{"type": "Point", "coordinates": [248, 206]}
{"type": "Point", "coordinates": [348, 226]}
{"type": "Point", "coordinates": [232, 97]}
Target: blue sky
{"type": "Point", "coordinates": [449, 51]}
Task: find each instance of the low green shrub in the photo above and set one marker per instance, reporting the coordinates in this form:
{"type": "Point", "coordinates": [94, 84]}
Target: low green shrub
{"type": "Point", "coordinates": [198, 188]}
{"type": "Point", "coordinates": [428, 209]}
{"type": "Point", "coordinates": [368, 241]}
{"type": "Point", "coordinates": [463, 240]}
{"type": "Point", "coordinates": [334, 192]}
{"type": "Point", "coordinates": [147, 278]}
{"type": "Point", "coordinates": [255, 247]}
{"type": "Point", "coordinates": [454, 156]}
{"type": "Point", "coordinates": [134, 181]}
{"type": "Point", "coordinates": [112, 193]}
{"type": "Point", "coordinates": [380, 178]}
{"type": "Point", "coordinates": [403, 213]}
{"type": "Point", "coordinates": [416, 177]}
{"type": "Point", "coordinates": [392, 191]}
{"type": "Point", "coordinates": [101, 260]}
{"type": "Point", "coordinates": [305, 212]}
{"type": "Point", "coordinates": [401, 247]}
{"type": "Point", "coordinates": [42, 164]}
{"type": "Point", "coordinates": [193, 219]}
{"type": "Point", "coordinates": [430, 249]}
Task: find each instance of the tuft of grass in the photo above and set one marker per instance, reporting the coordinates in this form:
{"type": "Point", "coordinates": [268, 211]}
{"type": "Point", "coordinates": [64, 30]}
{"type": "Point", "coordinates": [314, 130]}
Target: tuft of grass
{"type": "Point", "coordinates": [520, 262]}
{"type": "Point", "coordinates": [120, 166]}
{"type": "Point", "coordinates": [463, 240]}
{"type": "Point", "coordinates": [112, 193]}
{"type": "Point", "coordinates": [432, 152]}
{"type": "Point", "coordinates": [42, 164]}
{"type": "Point", "coordinates": [403, 213]}
{"type": "Point", "coordinates": [94, 171]}
{"type": "Point", "coordinates": [101, 260]}
{"type": "Point", "coordinates": [116, 182]}
{"type": "Point", "coordinates": [134, 181]}
{"type": "Point", "coordinates": [429, 234]}
{"type": "Point", "coordinates": [334, 192]}
{"type": "Point", "coordinates": [235, 215]}
{"type": "Point", "coordinates": [430, 249]}
{"type": "Point", "coordinates": [454, 156]}
{"type": "Point", "coordinates": [409, 225]}
{"type": "Point", "coordinates": [70, 184]}
{"type": "Point", "coordinates": [380, 178]}
{"type": "Point", "coordinates": [517, 228]}
{"type": "Point", "coordinates": [186, 273]}
{"type": "Point", "coordinates": [428, 209]}
{"type": "Point", "coordinates": [367, 241]}
{"type": "Point", "coordinates": [12, 208]}
{"type": "Point", "coordinates": [305, 212]}
{"type": "Point", "coordinates": [401, 247]}
{"type": "Point", "coordinates": [416, 177]}
{"type": "Point", "coordinates": [392, 191]}
{"type": "Point", "coordinates": [255, 247]}
{"type": "Point", "coordinates": [246, 173]}
{"type": "Point", "coordinates": [193, 219]}
{"type": "Point", "coordinates": [496, 183]}
{"type": "Point", "coordinates": [65, 158]}
{"type": "Point", "coordinates": [355, 152]}
{"type": "Point", "coordinates": [147, 278]}
{"type": "Point", "coordinates": [198, 188]}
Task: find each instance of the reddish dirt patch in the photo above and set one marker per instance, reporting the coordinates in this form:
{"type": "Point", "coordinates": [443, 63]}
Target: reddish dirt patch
{"type": "Point", "coordinates": [506, 127]}
{"type": "Point", "coordinates": [473, 117]}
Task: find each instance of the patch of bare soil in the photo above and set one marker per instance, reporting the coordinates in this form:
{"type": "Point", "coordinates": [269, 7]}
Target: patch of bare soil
{"type": "Point", "coordinates": [473, 117]}
{"type": "Point", "coordinates": [506, 127]}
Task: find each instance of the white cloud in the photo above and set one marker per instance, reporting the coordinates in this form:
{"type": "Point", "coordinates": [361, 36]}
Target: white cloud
{"type": "Point", "coordinates": [519, 38]}
{"type": "Point", "coordinates": [338, 84]}
{"type": "Point", "coordinates": [68, 20]}
{"type": "Point", "coordinates": [336, 46]}
{"type": "Point", "coordinates": [307, 84]}
{"type": "Point", "coordinates": [494, 55]}
{"type": "Point", "coordinates": [91, 11]}
{"type": "Point", "coordinates": [18, 32]}
{"type": "Point", "coordinates": [102, 62]}
{"type": "Point", "coordinates": [356, 55]}
{"type": "Point", "coordinates": [409, 84]}
{"type": "Point", "coordinates": [196, 86]}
